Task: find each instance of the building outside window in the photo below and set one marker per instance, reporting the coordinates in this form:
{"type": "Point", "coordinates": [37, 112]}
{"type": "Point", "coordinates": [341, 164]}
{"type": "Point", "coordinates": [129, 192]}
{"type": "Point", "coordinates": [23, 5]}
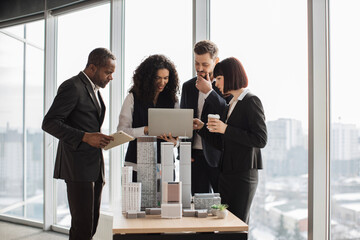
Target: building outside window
{"type": "Point", "coordinates": [270, 39]}
{"type": "Point", "coordinates": [21, 137]}
{"type": "Point", "coordinates": [345, 119]}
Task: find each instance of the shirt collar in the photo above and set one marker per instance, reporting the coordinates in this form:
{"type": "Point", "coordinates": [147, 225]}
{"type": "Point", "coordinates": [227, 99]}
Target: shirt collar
{"type": "Point", "coordinates": [94, 87]}
{"type": "Point", "coordinates": [243, 94]}
{"type": "Point", "coordinates": [241, 97]}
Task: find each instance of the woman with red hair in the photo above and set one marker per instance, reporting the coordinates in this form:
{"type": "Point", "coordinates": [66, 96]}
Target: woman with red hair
{"type": "Point", "coordinates": [239, 133]}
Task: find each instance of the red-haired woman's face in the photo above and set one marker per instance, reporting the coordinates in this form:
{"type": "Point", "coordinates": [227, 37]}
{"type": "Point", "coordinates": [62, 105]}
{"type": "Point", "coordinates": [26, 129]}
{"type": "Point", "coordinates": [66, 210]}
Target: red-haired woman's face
{"type": "Point", "coordinates": [220, 83]}
{"type": "Point", "coordinates": [162, 78]}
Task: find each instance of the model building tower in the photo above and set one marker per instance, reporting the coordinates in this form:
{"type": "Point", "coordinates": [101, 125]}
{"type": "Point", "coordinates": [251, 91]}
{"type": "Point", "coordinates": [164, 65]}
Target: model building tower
{"type": "Point", "coordinates": [167, 162]}
{"type": "Point", "coordinates": [171, 206]}
{"type": "Point", "coordinates": [206, 200]}
{"type": "Point", "coordinates": [185, 173]}
{"type": "Point", "coordinates": [126, 174]}
{"type": "Point", "coordinates": [146, 171]}
{"type": "Point", "coordinates": [131, 192]}
{"type": "Point", "coordinates": [131, 196]}
{"type": "Point", "coordinates": [126, 177]}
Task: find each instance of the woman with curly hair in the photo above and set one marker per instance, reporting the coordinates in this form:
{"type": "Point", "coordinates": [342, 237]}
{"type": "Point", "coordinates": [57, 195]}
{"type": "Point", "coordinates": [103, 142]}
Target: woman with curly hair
{"type": "Point", "coordinates": [155, 85]}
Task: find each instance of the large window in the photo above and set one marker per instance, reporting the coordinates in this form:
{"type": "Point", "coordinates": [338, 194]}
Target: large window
{"type": "Point", "coordinates": [270, 39]}
{"type": "Point", "coordinates": [21, 137]}
{"type": "Point", "coordinates": [165, 28]}
{"type": "Point", "coordinates": [345, 119]}
{"type": "Point", "coordinates": [268, 36]}
{"type": "Point", "coordinates": [78, 34]}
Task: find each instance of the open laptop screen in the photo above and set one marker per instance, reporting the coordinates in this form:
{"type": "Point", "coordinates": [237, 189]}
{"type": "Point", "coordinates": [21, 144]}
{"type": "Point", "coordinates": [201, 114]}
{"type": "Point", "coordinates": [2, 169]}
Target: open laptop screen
{"type": "Point", "coordinates": [178, 122]}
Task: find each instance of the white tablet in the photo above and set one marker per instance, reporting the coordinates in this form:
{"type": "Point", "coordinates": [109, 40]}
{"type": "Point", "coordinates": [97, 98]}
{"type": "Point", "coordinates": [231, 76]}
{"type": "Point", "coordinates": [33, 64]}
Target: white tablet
{"type": "Point", "coordinates": [178, 122]}
{"type": "Point", "coordinates": [119, 138]}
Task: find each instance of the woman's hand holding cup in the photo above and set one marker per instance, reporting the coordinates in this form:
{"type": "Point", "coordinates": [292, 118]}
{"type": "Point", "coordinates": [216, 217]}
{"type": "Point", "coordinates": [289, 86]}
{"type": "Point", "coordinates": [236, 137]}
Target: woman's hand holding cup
{"type": "Point", "coordinates": [215, 124]}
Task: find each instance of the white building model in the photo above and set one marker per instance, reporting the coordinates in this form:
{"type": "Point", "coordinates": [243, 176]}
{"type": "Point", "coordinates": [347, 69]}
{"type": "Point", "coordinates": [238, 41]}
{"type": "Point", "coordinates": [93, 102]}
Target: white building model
{"type": "Point", "coordinates": [174, 195]}
{"type": "Point", "coordinates": [171, 206]}
{"type": "Point", "coordinates": [167, 162]}
{"type": "Point", "coordinates": [131, 192]}
{"type": "Point", "coordinates": [185, 173]}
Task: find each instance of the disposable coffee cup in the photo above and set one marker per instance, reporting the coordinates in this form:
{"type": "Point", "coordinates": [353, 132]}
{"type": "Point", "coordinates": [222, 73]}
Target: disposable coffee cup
{"type": "Point", "coordinates": [216, 116]}
{"type": "Point", "coordinates": [213, 116]}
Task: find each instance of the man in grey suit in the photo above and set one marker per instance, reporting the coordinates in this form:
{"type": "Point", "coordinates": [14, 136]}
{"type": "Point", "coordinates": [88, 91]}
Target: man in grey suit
{"type": "Point", "coordinates": [75, 118]}
{"type": "Point", "coordinates": [205, 158]}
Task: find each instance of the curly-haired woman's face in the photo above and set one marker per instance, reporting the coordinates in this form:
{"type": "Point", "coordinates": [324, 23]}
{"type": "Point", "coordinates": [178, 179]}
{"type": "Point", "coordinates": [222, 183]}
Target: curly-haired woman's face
{"type": "Point", "coordinates": [162, 78]}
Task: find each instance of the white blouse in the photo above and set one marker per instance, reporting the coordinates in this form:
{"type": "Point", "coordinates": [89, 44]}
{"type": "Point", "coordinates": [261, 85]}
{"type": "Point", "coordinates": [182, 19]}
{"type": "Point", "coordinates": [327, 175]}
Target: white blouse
{"type": "Point", "coordinates": [233, 102]}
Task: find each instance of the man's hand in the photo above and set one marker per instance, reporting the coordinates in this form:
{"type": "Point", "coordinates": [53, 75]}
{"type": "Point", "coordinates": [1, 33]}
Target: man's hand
{"type": "Point", "coordinates": [197, 124]}
{"type": "Point", "coordinates": [203, 84]}
{"type": "Point", "coordinates": [97, 140]}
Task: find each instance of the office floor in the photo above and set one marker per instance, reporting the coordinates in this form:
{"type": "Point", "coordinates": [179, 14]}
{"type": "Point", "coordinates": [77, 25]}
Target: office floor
{"type": "Point", "coordinates": [12, 231]}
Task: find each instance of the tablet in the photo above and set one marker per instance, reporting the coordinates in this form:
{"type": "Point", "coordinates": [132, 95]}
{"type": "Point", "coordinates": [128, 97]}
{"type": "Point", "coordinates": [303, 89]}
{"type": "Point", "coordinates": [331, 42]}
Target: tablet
{"type": "Point", "coordinates": [119, 138]}
{"type": "Point", "coordinates": [178, 122]}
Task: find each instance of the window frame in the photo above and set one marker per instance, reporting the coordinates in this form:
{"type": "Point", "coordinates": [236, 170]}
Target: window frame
{"type": "Point", "coordinates": [319, 105]}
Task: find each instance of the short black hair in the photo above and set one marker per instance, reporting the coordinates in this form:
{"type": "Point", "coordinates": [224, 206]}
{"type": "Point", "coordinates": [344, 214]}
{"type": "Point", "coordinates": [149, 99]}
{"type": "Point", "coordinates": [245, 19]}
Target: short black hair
{"type": "Point", "coordinates": [99, 57]}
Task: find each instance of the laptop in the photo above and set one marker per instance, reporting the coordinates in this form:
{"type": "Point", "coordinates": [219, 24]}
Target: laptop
{"type": "Point", "coordinates": [178, 122]}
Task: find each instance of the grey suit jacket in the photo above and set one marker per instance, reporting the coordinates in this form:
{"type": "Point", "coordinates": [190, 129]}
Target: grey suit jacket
{"type": "Point", "coordinates": [75, 111]}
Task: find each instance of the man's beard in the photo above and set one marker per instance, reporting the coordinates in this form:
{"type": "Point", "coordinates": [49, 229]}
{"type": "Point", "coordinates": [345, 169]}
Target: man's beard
{"type": "Point", "coordinates": [203, 74]}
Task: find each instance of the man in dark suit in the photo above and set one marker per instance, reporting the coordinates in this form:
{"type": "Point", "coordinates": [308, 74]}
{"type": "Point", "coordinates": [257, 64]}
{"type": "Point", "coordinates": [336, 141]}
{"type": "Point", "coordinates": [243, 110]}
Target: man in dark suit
{"type": "Point", "coordinates": [75, 118]}
{"type": "Point", "coordinates": [205, 158]}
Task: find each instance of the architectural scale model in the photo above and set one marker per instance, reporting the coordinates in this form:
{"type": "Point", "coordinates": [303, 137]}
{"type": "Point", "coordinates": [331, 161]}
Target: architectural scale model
{"type": "Point", "coordinates": [153, 176]}
{"type": "Point", "coordinates": [126, 174]}
{"type": "Point", "coordinates": [147, 171]}
{"type": "Point", "coordinates": [167, 162]}
{"type": "Point", "coordinates": [185, 173]}
{"type": "Point", "coordinates": [171, 206]}
{"type": "Point", "coordinates": [131, 192]}
{"type": "Point", "coordinates": [206, 200]}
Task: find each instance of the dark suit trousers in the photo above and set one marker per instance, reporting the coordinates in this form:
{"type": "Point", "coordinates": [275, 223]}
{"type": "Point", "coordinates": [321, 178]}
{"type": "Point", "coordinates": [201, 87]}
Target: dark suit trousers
{"type": "Point", "coordinates": [203, 177]}
{"type": "Point", "coordinates": [84, 203]}
{"type": "Point", "coordinates": [238, 190]}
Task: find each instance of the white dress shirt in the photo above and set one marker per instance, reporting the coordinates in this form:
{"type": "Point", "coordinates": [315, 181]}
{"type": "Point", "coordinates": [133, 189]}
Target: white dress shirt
{"type": "Point", "coordinates": [197, 144]}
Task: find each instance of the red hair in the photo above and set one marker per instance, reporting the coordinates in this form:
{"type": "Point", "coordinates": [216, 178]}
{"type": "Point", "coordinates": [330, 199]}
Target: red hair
{"type": "Point", "coordinates": [233, 72]}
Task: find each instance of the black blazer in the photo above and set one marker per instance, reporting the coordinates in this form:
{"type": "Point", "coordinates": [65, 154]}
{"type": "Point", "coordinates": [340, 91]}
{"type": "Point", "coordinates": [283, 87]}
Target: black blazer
{"type": "Point", "coordinates": [245, 134]}
{"type": "Point", "coordinates": [75, 111]}
{"type": "Point", "coordinates": [189, 99]}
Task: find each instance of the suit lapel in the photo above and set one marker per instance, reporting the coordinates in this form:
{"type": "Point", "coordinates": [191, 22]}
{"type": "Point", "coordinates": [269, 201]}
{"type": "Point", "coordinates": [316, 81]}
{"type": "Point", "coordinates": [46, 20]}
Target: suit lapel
{"type": "Point", "coordinates": [206, 103]}
{"type": "Point", "coordinates": [194, 102]}
{"type": "Point", "coordinates": [103, 108]}
{"type": "Point", "coordinates": [93, 98]}
{"type": "Point", "coordinates": [90, 91]}
{"type": "Point", "coordinates": [235, 111]}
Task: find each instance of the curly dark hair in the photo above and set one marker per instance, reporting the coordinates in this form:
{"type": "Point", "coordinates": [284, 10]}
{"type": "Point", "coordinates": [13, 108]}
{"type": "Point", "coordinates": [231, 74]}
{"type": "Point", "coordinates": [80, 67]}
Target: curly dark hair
{"type": "Point", "coordinates": [145, 75]}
